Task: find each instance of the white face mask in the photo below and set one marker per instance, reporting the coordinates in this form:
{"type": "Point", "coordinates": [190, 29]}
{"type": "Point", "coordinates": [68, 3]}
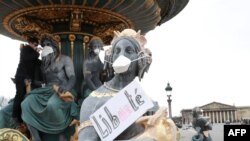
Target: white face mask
{"type": "Point", "coordinates": [47, 50]}
{"type": "Point", "coordinates": [96, 51]}
{"type": "Point", "coordinates": [121, 64]}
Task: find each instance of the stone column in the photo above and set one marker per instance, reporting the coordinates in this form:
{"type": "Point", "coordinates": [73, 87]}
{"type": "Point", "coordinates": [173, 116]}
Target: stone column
{"type": "Point", "coordinates": [217, 117]}
{"type": "Point", "coordinates": [232, 116]}
{"type": "Point", "coordinates": [208, 114]}
{"type": "Point", "coordinates": [215, 120]}
{"type": "Point", "coordinates": [235, 116]}
{"type": "Point", "coordinates": [213, 116]}
{"type": "Point", "coordinates": [220, 116]}
{"type": "Point", "coordinates": [224, 116]}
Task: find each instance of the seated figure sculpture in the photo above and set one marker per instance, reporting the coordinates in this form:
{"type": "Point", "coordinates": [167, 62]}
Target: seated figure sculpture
{"type": "Point", "coordinates": [51, 109]}
{"type": "Point", "coordinates": [92, 67]}
{"type": "Point", "coordinates": [201, 125]}
{"type": "Point", "coordinates": [127, 45]}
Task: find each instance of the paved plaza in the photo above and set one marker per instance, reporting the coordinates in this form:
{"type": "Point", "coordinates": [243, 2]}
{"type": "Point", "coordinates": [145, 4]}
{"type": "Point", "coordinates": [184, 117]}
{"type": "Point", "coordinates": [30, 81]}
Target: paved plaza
{"type": "Point", "coordinates": [216, 133]}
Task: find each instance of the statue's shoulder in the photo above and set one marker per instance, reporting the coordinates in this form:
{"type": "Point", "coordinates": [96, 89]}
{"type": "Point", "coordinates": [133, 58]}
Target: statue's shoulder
{"type": "Point", "coordinates": [65, 59]}
{"type": "Point", "coordinates": [202, 120]}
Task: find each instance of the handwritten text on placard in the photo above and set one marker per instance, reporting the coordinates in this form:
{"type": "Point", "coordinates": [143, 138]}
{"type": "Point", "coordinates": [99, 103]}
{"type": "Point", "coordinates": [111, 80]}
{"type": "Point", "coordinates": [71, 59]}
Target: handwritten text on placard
{"type": "Point", "coordinates": [121, 111]}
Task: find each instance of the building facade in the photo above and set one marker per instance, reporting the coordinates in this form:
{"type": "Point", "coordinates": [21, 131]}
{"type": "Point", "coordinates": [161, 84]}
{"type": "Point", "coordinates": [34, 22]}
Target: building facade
{"type": "Point", "coordinates": [218, 113]}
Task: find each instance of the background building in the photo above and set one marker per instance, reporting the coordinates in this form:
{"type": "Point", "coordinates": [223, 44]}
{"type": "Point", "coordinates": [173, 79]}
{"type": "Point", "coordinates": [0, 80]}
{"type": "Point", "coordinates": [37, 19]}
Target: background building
{"type": "Point", "coordinates": [219, 113]}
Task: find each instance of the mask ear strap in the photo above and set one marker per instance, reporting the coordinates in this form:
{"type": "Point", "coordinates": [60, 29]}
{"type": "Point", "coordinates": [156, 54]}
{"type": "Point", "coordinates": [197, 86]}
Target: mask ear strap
{"type": "Point", "coordinates": [141, 56]}
{"type": "Point", "coordinates": [107, 59]}
{"type": "Point", "coordinates": [144, 63]}
{"type": "Point", "coordinates": [107, 62]}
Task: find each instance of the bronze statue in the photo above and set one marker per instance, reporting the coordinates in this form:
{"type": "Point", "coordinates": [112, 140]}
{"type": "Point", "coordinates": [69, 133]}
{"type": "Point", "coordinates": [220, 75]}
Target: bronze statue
{"type": "Point", "coordinates": [92, 67]}
{"type": "Point", "coordinates": [129, 59]}
{"type": "Point", "coordinates": [201, 125]}
{"type": "Point", "coordinates": [51, 109]}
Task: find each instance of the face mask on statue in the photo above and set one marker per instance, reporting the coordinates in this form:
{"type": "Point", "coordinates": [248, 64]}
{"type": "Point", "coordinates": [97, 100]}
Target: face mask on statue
{"type": "Point", "coordinates": [96, 51]}
{"type": "Point", "coordinates": [47, 50]}
{"type": "Point", "coordinates": [121, 64]}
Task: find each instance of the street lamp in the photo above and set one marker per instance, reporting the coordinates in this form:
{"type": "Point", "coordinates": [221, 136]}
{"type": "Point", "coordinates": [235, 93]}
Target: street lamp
{"type": "Point", "coordinates": [169, 91]}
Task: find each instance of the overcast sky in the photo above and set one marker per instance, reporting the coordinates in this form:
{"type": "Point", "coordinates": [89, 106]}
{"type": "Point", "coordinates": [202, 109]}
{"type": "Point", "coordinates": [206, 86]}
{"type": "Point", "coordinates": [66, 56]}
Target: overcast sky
{"type": "Point", "coordinates": [203, 52]}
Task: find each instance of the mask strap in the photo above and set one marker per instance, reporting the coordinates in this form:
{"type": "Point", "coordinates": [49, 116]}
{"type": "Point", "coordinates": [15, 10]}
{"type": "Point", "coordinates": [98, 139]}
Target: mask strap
{"type": "Point", "coordinates": [108, 62]}
{"type": "Point", "coordinates": [139, 58]}
{"type": "Point", "coordinates": [131, 61]}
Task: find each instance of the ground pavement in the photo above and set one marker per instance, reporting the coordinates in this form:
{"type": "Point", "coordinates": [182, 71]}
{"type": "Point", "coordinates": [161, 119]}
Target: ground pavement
{"type": "Point", "coordinates": [216, 133]}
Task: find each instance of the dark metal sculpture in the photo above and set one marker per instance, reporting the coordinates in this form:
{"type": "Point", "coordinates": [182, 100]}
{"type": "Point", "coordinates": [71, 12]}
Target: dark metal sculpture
{"type": "Point", "coordinates": [74, 22]}
{"type": "Point", "coordinates": [201, 125]}
{"type": "Point", "coordinates": [93, 68]}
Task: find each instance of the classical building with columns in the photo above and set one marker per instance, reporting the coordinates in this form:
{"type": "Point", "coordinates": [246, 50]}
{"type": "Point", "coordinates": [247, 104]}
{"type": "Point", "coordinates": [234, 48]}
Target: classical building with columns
{"type": "Point", "coordinates": [218, 113]}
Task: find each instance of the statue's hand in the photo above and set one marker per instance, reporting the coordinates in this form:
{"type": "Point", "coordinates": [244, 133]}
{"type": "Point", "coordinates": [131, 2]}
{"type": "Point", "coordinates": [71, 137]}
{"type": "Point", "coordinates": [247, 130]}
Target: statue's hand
{"type": "Point", "coordinates": [161, 112]}
{"type": "Point", "coordinates": [56, 88]}
{"type": "Point", "coordinates": [75, 122]}
{"type": "Point", "coordinates": [67, 96]}
{"type": "Point", "coordinates": [27, 82]}
{"type": "Point", "coordinates": [27, 85]}
{"type": "Point", "coordinates": [64, 95]}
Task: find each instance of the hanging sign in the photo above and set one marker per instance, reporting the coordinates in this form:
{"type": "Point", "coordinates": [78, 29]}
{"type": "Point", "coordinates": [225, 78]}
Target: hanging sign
{"type": "Point", "coordinates": [121, 111]}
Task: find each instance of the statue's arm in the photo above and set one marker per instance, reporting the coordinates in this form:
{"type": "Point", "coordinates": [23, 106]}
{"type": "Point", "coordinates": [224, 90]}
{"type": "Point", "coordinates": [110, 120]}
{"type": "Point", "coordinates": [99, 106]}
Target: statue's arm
{"type": "Point", "coordinates": [208, 125]}
{"type": "Point", "coordinates": [70, 72]}
{"type": "Point", "coordinates": [204, 124]}
{"type": "Point", "coordinates": [88, 77]}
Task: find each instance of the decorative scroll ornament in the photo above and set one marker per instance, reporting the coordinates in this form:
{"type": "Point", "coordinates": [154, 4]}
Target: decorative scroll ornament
{"type": "Point", "coordinates": [27, 26]}
{"type": "Point", "coordinates": [7, 134]}
{"type": "Point", "coordinates": [106, 31]}
{"type": "Point", "coordinates": [76, 20]}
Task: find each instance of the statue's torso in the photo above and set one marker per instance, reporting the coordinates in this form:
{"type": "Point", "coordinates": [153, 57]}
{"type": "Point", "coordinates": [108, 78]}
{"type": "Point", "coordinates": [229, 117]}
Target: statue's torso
{"type": "Point", "coordinates": [56, 73]}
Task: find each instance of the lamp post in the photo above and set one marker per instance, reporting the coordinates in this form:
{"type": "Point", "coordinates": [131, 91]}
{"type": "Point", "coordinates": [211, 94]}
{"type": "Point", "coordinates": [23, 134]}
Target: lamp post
{"type": "Point", "coordinates": [169, 91]}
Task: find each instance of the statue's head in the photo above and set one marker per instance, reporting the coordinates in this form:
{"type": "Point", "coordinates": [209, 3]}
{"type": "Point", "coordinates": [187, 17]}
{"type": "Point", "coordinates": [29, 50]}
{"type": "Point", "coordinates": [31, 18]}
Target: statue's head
{"type": "Point", "coordinates": [48, 40]}
{"type": "Point", "coordinates": [95, 45]}
{"type": "Point", "coordinates": [50, 50]}
{"type": "Point", "coordinates": [127, 54]}
{"type": "Point", "coordinates": [196, 112]}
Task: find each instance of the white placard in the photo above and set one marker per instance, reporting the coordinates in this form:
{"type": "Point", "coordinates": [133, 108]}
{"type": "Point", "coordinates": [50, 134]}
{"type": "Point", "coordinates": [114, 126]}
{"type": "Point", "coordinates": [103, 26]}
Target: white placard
{"type": "Point", "coordinates": [121, 111]}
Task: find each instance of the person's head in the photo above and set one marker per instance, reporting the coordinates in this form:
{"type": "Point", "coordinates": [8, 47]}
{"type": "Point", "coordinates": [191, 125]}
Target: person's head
{"type": "Point", "coordinates": [32, 41]}
{"type": "Point", "coordinates": [128, 55]}
{"type": "Point", "coordinates": [95, 45]}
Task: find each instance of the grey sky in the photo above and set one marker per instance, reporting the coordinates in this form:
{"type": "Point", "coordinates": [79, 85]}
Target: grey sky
{"type": "Point", "coordinates": [203, 52]}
